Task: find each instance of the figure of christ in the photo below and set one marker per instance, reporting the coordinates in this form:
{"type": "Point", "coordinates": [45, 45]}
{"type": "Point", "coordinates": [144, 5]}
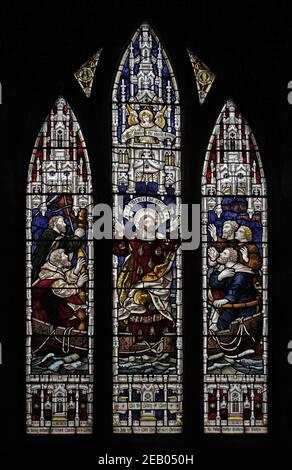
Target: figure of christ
{"type": "Point", "coordinates": [143, 285]}
{"type": "Point", "coordinates": [56, 293]}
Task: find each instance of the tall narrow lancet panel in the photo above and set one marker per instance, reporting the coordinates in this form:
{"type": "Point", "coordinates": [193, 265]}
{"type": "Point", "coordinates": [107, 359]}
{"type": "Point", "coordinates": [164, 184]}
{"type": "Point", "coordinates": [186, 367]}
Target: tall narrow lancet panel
{"type": "Point", "coordinates": [59, 255]}
{"type": "Point", "coordinates": [234, 244]}
{"type": "Point", "coordinates": [147, 267]}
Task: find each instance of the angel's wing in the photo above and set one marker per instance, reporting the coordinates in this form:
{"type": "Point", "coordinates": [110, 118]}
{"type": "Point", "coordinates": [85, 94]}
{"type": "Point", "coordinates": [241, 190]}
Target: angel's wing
{"type": "Point", "coordinates": [159, 117]}
{"type": "Point", "coordinates": [133, 116]}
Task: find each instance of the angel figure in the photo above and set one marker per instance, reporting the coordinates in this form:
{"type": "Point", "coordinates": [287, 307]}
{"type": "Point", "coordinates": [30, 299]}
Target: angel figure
{"type": "Point", "coordinates": [146, 127]}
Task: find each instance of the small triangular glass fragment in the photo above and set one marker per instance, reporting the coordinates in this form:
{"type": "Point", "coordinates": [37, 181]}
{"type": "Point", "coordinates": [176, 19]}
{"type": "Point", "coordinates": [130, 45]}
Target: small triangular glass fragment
{"type": "Point", "coordinates": [204, 77]}
{"type": "Point", "coordinates": [85, 74]}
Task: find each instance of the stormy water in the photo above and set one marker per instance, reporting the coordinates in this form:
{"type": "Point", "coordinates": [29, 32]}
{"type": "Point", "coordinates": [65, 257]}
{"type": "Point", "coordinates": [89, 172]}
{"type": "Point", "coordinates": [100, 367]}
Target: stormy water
{"type": "Point", "coordinates": [53, 364]}
{"type": "Point", "coordinates": [146, 364]}
{"type": "Point", "coordinates": [222, 364]}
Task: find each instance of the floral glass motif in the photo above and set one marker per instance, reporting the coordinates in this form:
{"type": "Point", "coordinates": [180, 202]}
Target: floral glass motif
{"type": "Point", "coordinates": [85, 74]}
{"type": "Point", "coordinates": [147, 268]}
{"type": "Point", "coordinates": [234, 247]}
{"type": "Point", "coordinates": [59, 255]}
{"type": "Point", "coordinates": [204, 77]}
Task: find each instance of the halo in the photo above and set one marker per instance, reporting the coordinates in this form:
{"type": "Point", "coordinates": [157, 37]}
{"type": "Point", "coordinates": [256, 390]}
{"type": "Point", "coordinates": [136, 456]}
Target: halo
{"type": "Point", "coordinates": [146, 111]}
{"type": "Point", "coordinates": [144, 214]}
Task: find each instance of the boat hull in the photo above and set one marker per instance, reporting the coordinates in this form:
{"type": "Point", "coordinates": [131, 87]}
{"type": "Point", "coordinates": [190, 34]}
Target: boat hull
{"type": "Point", "coordinates": [59, 340]}
{"type": "Point", "coordinates": [241, 336]}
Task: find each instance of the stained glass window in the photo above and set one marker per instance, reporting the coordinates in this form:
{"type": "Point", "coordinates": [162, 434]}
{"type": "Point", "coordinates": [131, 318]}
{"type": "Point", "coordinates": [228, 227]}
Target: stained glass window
{"type": "Point", "coordinates": [204, 76]}
{"type": "Point", "coordinates": [59, 255]}
{"type": "Point", "coordinates": [147, 268]}
{"type": "Point", "coordinates": [85, 74]}
{"type": "Point", "coordinates": [234, 246]}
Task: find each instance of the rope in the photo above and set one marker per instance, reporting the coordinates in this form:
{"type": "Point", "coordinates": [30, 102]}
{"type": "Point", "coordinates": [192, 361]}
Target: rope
{"type": "Point", "coordinates": [44, 342]}
{"type": "Point", "coordinates": [239, 336]}
{"type": "Point", "coordinates": [65, 344]}
{"type": "Point", "coordinates": [66, 340]}
{"type": "Point", "coordinates": [227, 349]}
{"type": "Point", "coordinates": [149, 348]}
{"type": "Point", "coordinates": [75, 347]}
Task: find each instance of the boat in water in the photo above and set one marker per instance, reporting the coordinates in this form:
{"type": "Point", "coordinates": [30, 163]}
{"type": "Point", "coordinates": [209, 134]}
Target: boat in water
{"type": "Point", "coordinates": [241, 337]}
{"type": "Point", "coordinates": [59, 340]}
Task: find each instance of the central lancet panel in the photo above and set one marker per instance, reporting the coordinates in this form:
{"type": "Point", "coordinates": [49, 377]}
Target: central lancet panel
{"type": "Point", "coordinates": [147, 267]}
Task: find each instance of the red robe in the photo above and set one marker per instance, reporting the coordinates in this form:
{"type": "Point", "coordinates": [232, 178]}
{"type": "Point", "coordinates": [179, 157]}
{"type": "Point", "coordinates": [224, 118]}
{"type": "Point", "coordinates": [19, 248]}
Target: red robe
{"type": "Point", "coordinates": [50, 308]}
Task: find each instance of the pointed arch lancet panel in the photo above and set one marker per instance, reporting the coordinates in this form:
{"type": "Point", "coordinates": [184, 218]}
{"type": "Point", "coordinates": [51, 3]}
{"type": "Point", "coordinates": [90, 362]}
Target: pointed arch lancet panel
{"type": "Point", "coordinates": [234, 247]}
{"type": "Point", "coordinates": [147, 268]}
{"type": "Point", "coordinates": [59, 255]}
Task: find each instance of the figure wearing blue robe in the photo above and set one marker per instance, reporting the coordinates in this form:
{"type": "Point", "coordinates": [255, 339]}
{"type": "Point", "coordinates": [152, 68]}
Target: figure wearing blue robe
{"type": "Point", "coordinates": [237, 289]}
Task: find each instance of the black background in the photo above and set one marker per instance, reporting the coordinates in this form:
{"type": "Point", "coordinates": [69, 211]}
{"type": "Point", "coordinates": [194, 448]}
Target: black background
{"type": "Point", "coordinates": [250, 50]}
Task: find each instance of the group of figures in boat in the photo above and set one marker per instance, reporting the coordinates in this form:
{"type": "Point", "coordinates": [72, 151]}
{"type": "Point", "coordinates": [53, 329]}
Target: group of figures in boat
{"type": "Point", "coordinates": [59, 281]}
{"type": "Point", "coordinates": [234, 290]}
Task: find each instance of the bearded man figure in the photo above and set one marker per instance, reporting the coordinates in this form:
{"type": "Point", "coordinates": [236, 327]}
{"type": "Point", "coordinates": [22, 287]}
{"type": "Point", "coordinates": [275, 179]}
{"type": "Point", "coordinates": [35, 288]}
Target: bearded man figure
{"type": "Point", "coordinates": [52, 238]}
{"type": "Point", "coordinates": [235, 282]}
{"type": "Point", "coordinates": [55, 294]}
{"type": "Point", "coordinates": [239, 238]}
